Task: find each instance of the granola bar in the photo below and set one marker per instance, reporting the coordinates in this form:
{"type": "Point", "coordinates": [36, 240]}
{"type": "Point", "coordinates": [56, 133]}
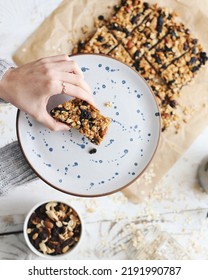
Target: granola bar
{"type": "Point", "coordinates": [156, 44]}
{"type": "Point", "coordinates": [160, 89]}
{"type": "Point", "coordinates": [101, 42]}
{"type": "Point", "coordinates": [165, 97]}
{"type": "Point", "coordinates": [157, 24]}
{"type": "Point", "coordinates": [145, 69]}
{"type": "Point", "coordinates": [183, 70]}
{"type": "Point", "coordinates": [166, 101]}
{"type": "Point", "coordinates": [130, 14]}
{"type": "Point", "coordinates": [84, 117]}
{"type": "Point", "coordinates": [121, 54]}
{"type": "Point", "coordinates": [148, 34]}
{"type": "Point", "coordinates": [175, 44]}
{"type": "Point", "coordinates": [168, 116]}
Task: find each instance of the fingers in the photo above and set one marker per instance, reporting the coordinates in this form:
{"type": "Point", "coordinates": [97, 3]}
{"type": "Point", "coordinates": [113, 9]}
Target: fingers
{"type": "Point", "coordinates": [76, 91]}
{"type": "Point", "coordinates": [60, 69]}
{"type": "Point", "coordinates": [73, 79]}
{"type": "Point", "coordinates": [52, 124]}
{"type": "Point", "coordinates": [67, 66]}
{"type": "Point", "coordinates": [61, 63]}
{"type": "Point", "coordinates": [55, 58]}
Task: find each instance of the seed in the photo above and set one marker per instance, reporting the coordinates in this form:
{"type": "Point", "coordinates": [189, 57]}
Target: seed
{"type": "Point", "coordinates": [35, 236]}
{"type": "Point", "coordinates": [65, 249]}
{"type": "Point", "coordinates": [130, 44]}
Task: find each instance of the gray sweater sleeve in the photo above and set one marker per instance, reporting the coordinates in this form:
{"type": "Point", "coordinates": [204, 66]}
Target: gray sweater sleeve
{"type": "Point", "coordinates": [14, 169]}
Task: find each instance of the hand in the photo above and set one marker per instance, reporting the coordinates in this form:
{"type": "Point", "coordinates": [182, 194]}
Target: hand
{"type": "Point", "coordinates": [30, 86]}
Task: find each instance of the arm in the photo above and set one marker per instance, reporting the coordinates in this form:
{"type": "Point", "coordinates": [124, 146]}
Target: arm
{"type": "Point", "coordinates": [14, 170]}
{"type": "Point", "coordinates": [30, 86]}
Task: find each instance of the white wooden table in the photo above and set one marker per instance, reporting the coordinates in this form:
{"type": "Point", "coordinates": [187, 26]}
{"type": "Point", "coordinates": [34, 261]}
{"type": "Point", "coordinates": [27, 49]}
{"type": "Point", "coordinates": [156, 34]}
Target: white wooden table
{"type": "Point", "coordinates": [177, 205]}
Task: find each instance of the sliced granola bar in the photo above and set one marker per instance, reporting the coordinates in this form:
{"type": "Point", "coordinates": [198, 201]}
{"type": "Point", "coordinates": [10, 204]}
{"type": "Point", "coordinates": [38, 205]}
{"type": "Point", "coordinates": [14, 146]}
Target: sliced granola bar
{"type": "Point", "coordinates": [175, 44]}
{"type": "Point", "coordinates": [84, 117]}
{"type": "Point", "coordinates": [148, 34]}
{"type": "Point", "coordinates": [130, 14]}
{"type": "Point", "coordinates": [121, 54]}
{"type": "Point", "coordinates": [183, 70]}
{"type": "Point", "coordinates": [101, 42]}
{"type": "Point", "coordinates": [166, 98]}
{"type": "Point", "coordinates": [158, 86]}
{"type": "Point", "coordinates": [157, 24]}
{"type": "Point", "coordinates": [168, 116]}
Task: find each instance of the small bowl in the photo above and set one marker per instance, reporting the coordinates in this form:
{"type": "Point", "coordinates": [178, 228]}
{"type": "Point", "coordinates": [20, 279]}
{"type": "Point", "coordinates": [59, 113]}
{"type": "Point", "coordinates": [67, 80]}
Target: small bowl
{"type": "Point", "coordinates": [53, 229]}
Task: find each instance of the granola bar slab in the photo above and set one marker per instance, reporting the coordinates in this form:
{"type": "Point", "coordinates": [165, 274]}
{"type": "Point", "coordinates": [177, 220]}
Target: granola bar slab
{"type": "Point", "coordinates": [84, 117]}
{"type": "Point", "coordinates": [101, 42]}
{"type": "Point", "coordinates": [121, 54]}
{"type": "Point", "coordinates": [177, 42]}
{"type": "Point", "coordinates": [183, 70]}
{"type": "Point", "coordinates": [168, 116]}
{"type": "Point", "coordinates": [130, 14]}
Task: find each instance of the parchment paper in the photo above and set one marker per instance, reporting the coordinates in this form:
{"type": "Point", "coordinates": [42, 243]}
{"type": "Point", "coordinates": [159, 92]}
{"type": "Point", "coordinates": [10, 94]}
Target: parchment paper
{"type": "Point", "coordinates": [58, 34]}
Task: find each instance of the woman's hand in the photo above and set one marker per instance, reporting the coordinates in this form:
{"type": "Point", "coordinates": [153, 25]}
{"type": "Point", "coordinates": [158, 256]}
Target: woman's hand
{"type": "Point", "coordinates": [30, 86]}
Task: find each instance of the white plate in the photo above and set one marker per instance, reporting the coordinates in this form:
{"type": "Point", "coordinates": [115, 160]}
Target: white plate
{"type": "Point", "coordinates": [62, 159]}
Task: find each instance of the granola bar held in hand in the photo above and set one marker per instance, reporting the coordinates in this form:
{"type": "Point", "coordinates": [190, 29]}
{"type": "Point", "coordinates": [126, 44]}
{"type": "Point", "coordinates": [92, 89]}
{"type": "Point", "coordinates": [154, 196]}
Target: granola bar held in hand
{"type": "Point", "coordinates": [84, 117]}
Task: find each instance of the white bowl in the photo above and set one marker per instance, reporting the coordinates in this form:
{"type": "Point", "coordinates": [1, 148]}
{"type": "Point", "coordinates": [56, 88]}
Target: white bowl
{"type": "Point", "coordinates": [30, 245]}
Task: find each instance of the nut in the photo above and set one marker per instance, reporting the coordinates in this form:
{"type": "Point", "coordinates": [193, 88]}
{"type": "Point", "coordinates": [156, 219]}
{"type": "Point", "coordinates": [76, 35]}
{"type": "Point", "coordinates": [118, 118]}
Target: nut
{"type": "Point", "coordinates": [48, 224]}
{"type": "Point", "coordinates": [130, 44]}
{"type": "Point", "coordinates": [59, 224]}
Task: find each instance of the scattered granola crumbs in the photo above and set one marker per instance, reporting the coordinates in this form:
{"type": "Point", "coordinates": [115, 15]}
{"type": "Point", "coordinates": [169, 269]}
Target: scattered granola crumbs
{"type": "Point", "coordinates": [91, 205]}
{"type": "Point", "coordinates": [90, 210]}
{"type": "Point", "coordinates": [148, 176]}
{"type": "Point", "coordinates": [85, 29]}
{"type": "Point", "coordinates": [119, 198]}
{"type": "Point", "coordinates": [108, 104]}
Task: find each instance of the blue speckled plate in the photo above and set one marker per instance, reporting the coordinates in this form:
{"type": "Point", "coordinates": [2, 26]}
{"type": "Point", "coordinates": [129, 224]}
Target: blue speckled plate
{"type": "Point", "coordinates": [62, 159]}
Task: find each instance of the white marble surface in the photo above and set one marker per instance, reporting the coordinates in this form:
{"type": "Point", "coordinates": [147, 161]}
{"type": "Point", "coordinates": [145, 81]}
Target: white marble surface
{"type": "Point", "coordinates": [177, 205]}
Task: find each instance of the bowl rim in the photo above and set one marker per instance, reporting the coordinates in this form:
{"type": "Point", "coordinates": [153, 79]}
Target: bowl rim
{"type": "Point", "coordinates": [29, 244]}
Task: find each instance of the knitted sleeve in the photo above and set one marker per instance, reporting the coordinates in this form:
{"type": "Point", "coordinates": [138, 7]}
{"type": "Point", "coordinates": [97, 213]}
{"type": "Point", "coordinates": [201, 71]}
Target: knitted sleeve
{"type": "Point", "coordinates": [14, 169]}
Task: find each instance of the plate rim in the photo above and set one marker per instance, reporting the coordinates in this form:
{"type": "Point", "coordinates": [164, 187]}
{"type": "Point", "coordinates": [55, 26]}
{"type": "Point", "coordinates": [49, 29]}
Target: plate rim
{"type": "Point", "coordinates": [106, 193]}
